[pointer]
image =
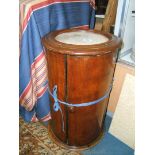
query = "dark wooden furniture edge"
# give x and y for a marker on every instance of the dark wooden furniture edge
(73, 148)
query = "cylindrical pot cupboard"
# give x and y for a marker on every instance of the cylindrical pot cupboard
(81, 63)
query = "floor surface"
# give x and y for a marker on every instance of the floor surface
(109, 145)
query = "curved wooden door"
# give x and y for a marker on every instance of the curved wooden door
(88, 79)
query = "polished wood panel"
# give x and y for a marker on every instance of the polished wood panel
(88, 79)
(57, 75)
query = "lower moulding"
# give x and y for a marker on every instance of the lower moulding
(74, 148)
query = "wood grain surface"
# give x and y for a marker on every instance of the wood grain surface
(82, 74)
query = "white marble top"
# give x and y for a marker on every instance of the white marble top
(81, 37)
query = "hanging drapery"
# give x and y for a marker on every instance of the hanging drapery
(37, 18)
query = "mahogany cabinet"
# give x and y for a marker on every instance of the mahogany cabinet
(82, 73)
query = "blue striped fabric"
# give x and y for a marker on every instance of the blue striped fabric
(34, 97)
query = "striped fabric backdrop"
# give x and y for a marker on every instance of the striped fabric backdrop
(37, 18)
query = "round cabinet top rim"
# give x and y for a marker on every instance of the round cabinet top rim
(81, 42)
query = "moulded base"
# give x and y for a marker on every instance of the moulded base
(74, 148)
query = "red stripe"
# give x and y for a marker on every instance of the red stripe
(41, 84)
(34, 118)
(44, 73)
(26, 19)
(41, 56)
(38, 69)
(84, 27)
(26, 90)
(29, 107)
(37, 59)
(46, 118)
(42, 92)
(41, 76)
